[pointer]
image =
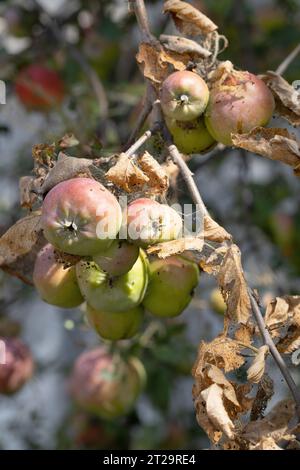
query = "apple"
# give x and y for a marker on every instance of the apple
(56, 284)
(113, 294)
(18, 367)
(237, 104)
(81, 217)
(184, 96)
(171, 284)
(106, 385)
(217, 302)
(118, 259)
(115, 325)
(39, 87)
(149, 222)
(190, 136)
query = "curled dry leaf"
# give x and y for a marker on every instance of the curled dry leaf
(203, 419)
(287, 98)
(221, 72)
(126, 174)
(65, 168)
(44, 154)
(265, 391)
(265, 443)
(257, 368)
(211, 264)
(233, 285)
(296, 357)
(274, 424)
(215, 409)
(184, 46)
(28, 187)
(188, 19)
(68, 140)
(283, 321)
(244, 333)
(214, 232)
(157, 63)
(274, 143)
(222, 352)
(217, 377)
(158, 180)
(19, 246)
(163, 250)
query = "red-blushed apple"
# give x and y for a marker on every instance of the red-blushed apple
(171, 284)
(149, 222)
(113, 294)
(106, 385)
(237, 104)
(190, 136)
(184, 96)
(39, 87)
(217, 301)
(18, 365)
(56, 284)
(81, 217)
(118, 259)
(115, 325)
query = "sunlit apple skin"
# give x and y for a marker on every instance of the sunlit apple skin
(118, 259)
(113, 294)
(18, 367)
(39, 87)
(184, 96)
(115, 326)
(190, 136)
(171, 284)
(217, 302)
(106, 385)
(56, 284)
(81, 217)
(149, 222)
(237, 104)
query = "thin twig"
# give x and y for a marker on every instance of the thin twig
(288, 60)
(147, 107)
(274, 351)
(146, 136)
(138, 6)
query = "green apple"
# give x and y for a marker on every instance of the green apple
(190, 136)
(118, 259)
(217, 302)
(113, 294)
(171, 284)
(115, 325)
(56, 284)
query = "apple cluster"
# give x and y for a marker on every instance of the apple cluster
(198, 117)
(112, 274)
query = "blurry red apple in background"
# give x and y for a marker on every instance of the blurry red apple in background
(106, 385)
(18, 366)
(39, 87)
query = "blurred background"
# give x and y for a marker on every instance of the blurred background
(257, 200)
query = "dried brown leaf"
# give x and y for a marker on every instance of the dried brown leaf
(287, 98)
(28, 186)
(19, 246)
(265, 443)
(222, 352)
(283, 321)
(65, 168)
(244, 333)
(215, 409)
(274, 143)
(188, 19)
(264, 393)
(217, 377)
(44, 154)
(157, 63)
(183, 45)
(158, 179)
(163, 250)
(234, 287)
(202, 418)
(257, 368)
(126, 174)
(274, 424)
(277, 314)
(214, 232)
(211, 264)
